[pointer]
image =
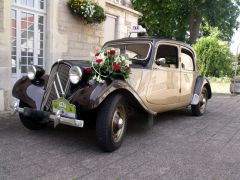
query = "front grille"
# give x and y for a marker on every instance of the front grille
(58, 85)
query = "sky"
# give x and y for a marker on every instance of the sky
(236, 41)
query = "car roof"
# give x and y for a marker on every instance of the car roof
(152, 39)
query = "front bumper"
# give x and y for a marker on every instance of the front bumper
(45, 117)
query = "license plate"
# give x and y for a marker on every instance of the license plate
(67, 109)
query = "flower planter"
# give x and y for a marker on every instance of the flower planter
(235, 86)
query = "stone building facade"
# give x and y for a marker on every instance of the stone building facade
(40, 32)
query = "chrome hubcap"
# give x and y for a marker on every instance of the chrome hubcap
(118, 123)
(203, 102)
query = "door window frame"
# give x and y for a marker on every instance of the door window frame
(167, 44)
(192, 57)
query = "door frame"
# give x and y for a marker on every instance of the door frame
(155, 67)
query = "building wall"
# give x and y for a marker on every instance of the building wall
(5, 53)
(126, 17)
(67, 36)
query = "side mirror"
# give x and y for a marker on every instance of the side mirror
(161, 61)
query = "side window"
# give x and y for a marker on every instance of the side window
(187, 60)
(167, 56)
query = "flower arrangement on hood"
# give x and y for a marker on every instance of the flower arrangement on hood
(88, 10)
(109, 63)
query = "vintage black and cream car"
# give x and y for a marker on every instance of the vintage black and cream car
(162, 76)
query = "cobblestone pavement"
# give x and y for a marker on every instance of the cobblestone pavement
(179, 146)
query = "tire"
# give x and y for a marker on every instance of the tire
(111, 123)
(30, 123)
(200, 108)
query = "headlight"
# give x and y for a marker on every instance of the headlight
(31, 72)
(75, 74)
(35, 72)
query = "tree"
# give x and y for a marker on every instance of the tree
(182, 19)
(214, 56)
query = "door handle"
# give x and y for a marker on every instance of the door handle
(183, 66)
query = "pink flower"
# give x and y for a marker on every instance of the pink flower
(99, 61)
(116, 67)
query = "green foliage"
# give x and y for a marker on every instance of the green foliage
(161, 19)
(88, 10)
(214, 57)
(181, 19)
(220, 80)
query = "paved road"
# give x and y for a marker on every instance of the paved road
(178, 147)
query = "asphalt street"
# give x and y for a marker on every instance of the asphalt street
(179, 146)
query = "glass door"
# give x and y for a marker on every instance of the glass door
(28, 39)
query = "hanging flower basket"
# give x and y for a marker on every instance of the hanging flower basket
(88, 10)
(109, 64)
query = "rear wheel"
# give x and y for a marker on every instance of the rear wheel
(111, 123)
(30, 123)
(200, 108)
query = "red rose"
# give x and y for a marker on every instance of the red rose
(88, 70)
(116, 67)
(112, 52)
(97, 54)
(99, 61)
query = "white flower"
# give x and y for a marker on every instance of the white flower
(123, 58)
(118, 59)
(127, 63)
(99, 79)
(94, 77)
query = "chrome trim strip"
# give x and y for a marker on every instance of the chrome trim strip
(133, 42)
(60, 84)
(55, 87)
(67, 86)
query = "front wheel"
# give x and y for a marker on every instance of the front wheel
(111, 123)
(30, 123)
(200, 108)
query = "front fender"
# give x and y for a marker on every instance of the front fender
(200, 83)
(30, 92)
(91, 97)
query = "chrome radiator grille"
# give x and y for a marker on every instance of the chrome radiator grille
(58, 85)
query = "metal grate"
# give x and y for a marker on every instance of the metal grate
(58, 85)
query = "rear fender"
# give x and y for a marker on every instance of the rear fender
(200, 83)
(30, 92)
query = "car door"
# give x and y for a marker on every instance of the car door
(188, 75)
(164, 86)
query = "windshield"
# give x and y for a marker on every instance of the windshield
(135, 51)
